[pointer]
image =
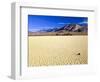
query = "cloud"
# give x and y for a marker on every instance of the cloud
(84, 22)
(34, 30)
(61, 23)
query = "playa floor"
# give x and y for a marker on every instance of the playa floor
(57, 50)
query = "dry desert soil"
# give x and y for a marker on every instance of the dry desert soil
(57, 50)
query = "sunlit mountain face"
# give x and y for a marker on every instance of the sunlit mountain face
(68, 27)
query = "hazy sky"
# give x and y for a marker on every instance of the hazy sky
(39, 22)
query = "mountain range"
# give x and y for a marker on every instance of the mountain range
(68, 28)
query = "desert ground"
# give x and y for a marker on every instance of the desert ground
(57, 50)
(57, 33)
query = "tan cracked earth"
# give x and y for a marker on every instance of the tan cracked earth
(57, 50)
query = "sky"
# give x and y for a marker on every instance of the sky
(40, 22)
